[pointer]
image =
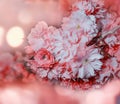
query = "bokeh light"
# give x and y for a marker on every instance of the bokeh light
(15, 36)
(1, 34)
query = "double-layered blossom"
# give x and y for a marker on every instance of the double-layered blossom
(87, 62)
(80, 22)
(44, 58)
(84, 46)
(40, 36)
(111, 40)
(63, 47)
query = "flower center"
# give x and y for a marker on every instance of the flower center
(78, 27)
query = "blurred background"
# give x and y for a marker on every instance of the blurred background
(17, 17)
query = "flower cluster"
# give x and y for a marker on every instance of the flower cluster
(86, 45)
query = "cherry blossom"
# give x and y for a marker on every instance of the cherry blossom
(63, 48)
(111, 40)
(88, 62)
(42, 73)
(79, 21)
(44, 58)
(83, 51)
(40, 36)
(84, 48)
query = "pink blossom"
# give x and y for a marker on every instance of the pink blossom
(115, 51)
(44, 58)
(111, 40)
(60, 71)
(85, 6)
(85, 24)
(42, 73)
(63, 47)
(65, 53)
(87, 62)
(40, 36)
(112, 64)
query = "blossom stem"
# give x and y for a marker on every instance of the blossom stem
(104, 34)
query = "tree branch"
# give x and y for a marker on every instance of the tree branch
(104, 34)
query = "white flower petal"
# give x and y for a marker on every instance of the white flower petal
(57, 49)
(96, 64)
(114, 63)
(89, 69)
(53, 74)
(84, 39)
(94, 51)
(95, 56)
(42, 73)
(37, 44)
(66, 75)
(81, 73)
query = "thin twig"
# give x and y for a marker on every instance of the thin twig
(104, 34)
